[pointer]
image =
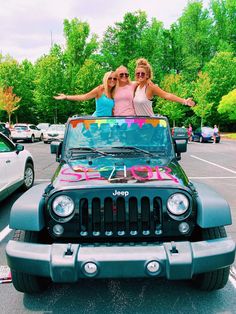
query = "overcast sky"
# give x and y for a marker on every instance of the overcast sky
(27, 27)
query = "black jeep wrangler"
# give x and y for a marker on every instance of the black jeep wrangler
(119, 205)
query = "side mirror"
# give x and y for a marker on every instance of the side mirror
(180, 138)
(55, 148)
(19, 148)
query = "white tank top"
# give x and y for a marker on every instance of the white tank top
(142, 105)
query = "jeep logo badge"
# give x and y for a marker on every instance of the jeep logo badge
(120, 193)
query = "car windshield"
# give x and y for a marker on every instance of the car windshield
(20, 127)
(59, 127)
(207, 130)
(43, 126)
(119, 136)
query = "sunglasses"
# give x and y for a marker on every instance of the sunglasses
(124, 74)
(141, 74)
(112, 78)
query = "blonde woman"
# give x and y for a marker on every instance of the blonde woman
(146, 90)
(124, 93)
(103, 94)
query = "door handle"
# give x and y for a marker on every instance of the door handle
(8, 161)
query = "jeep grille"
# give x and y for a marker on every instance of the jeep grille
(119, 217)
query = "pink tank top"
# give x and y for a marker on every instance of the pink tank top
(124, 101)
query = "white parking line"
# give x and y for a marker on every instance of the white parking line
(232, 276)
(42, 180)
(212, 163)
(5, 232)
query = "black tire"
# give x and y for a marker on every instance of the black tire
(28, 177)
(217, 279)
(41, 137)
(32, 140)
(24, 282)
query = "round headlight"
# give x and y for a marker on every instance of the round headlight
(63, 206)
(177, 204)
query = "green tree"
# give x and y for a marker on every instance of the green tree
(224, 14)
(152, 47)
(228, 105)
(202, 88)
(25, 90)
(222, 73)
(194, 38)
(172, 83)
(49, 79)
(79, 47)
(122, 42)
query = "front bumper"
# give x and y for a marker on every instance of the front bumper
(120, 261)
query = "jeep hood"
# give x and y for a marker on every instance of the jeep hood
(105, 171)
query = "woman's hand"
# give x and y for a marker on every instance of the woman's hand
(60, 97)
(189, 102)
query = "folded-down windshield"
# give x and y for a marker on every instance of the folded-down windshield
(109, 134)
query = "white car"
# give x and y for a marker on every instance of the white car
(27, 132)
(16, 167)
(55, 132)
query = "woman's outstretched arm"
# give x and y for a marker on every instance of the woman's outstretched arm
(156, 90)
(90, 95)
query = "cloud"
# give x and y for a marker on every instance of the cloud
(29, 26)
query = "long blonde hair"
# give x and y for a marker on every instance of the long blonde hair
(109, 93)
(144, 64)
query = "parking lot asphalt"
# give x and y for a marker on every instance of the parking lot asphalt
(214, 165)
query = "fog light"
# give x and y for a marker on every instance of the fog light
(90, 268)
(153, 267)
(184, 227)
(58, 230)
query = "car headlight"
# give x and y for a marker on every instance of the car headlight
(63, 206)
(177, 204)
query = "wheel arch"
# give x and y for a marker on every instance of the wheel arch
(212, 209)
(29, 160)
(27, 211)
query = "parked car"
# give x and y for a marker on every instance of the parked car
(26, 132)
(119, 205)
(55, 132)
(204, 134)
(16, 167)
(181, 132)
(4, 130)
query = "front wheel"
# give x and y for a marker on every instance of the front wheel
(32, 139)
(24, 282)
(28, 177)
(216, 279)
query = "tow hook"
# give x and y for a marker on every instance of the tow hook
(69, 250)
(173, 248)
